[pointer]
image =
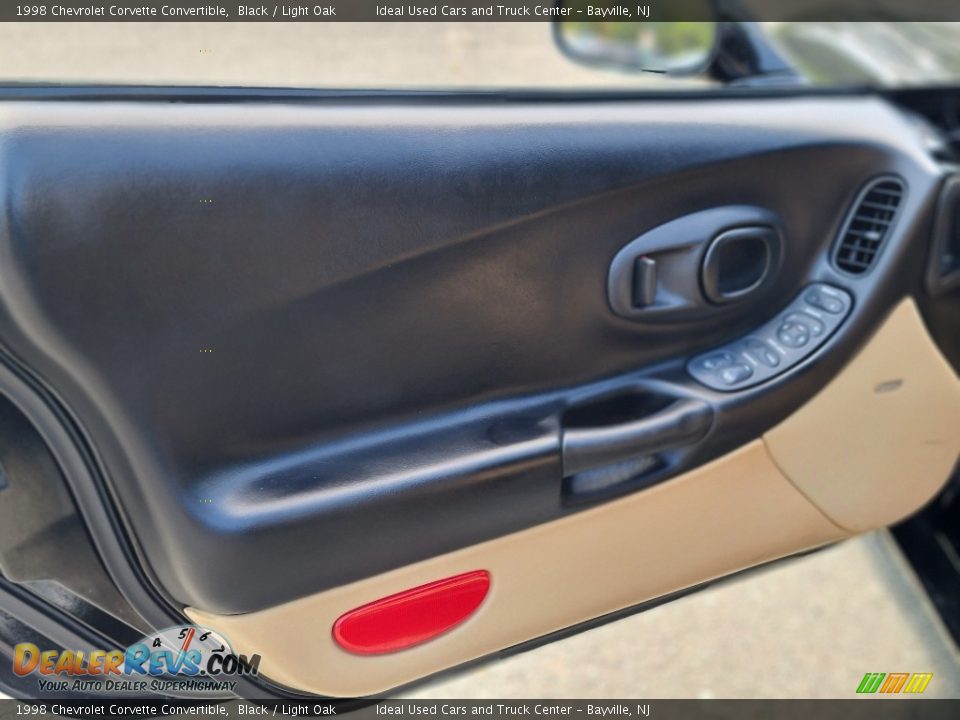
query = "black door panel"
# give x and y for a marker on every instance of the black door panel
(310, 344)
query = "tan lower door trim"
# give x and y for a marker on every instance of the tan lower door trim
(733, 513)
(878, 441)
(874, 445)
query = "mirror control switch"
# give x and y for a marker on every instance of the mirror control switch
(793, 334)
(811, 323)
(779, 345)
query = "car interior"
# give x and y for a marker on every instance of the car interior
(379, 385)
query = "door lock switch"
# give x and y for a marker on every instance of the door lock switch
(762, 353)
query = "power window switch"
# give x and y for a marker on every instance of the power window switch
(736, 373)
(716, 361)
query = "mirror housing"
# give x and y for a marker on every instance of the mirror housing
(714, 38)
(669, 46)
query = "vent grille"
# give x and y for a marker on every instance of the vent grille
(868, 226)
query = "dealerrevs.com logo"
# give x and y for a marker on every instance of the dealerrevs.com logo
(185, 660)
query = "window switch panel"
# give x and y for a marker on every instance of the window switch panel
(779, 345)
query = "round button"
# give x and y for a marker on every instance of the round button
(814, 326)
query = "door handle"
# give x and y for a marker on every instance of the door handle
(683, 422)
(683, 269)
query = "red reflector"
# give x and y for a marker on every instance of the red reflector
(412, 616)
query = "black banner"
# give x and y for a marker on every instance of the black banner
(479, 11)
(876, 709)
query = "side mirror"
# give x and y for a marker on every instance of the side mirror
(669, 47)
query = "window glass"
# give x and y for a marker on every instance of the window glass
(470, 55)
